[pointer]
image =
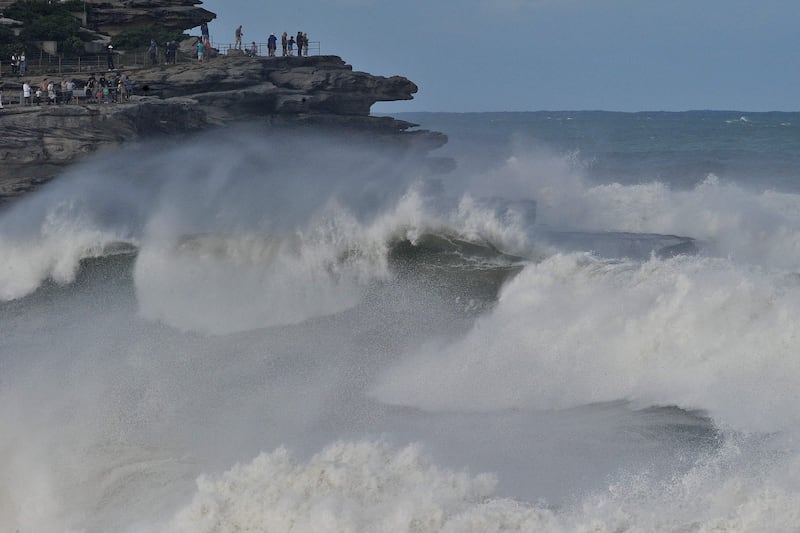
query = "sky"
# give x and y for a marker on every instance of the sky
(531, 55)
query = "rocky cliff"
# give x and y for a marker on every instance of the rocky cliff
(37, 142)
(114, 16)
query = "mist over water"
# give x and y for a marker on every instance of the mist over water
(266, 331)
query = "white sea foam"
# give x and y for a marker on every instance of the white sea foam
(699, 333)
(758, 227)
(221, 283)
(369, 486)
(361, 486)
(51, 250)
(233, 245)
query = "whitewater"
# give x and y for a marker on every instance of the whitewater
(590, 324)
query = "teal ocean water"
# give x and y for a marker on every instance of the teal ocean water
(589, 324)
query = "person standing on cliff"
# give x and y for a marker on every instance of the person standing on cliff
(291, 46)
(284, 43)
(70, 90)
(201, 50)
(51, 93)
(238, 35)
(153, 52)
(204, 31)
(110, 57)
(23, 64)
(272, 45)
(173, 51)
(89, 87)
(299, 42)
(26, 93)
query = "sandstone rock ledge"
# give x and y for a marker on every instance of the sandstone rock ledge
(323, 92)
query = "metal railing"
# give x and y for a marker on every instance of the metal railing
(314, 48)
(91, 63)
(47, 64)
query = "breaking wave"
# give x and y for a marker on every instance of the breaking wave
(290, 300)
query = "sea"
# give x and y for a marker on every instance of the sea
(563, 322)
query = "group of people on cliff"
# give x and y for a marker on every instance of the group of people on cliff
(103, 90)
(289, 44)
(48, 91)
(19, 64)
(108, 90)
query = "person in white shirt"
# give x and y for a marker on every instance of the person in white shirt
(26, 93)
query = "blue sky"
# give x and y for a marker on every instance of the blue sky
(529, 55)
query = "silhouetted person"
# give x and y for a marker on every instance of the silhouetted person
(110, 57)
(153, 52)
(238, 35)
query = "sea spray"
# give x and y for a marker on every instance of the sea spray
(695, 332)
(158, 367)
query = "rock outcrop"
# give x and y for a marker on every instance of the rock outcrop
(37, 142)
(113, 16)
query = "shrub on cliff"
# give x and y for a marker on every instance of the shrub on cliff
(48, 22)
(27, 10)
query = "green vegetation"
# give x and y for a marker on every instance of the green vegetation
(47, 22)
(140, 38)
(58, 22)
(28, 10)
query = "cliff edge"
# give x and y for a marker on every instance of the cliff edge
(323, 92)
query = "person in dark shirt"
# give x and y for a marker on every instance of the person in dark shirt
(238, 35)
(153, 52)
